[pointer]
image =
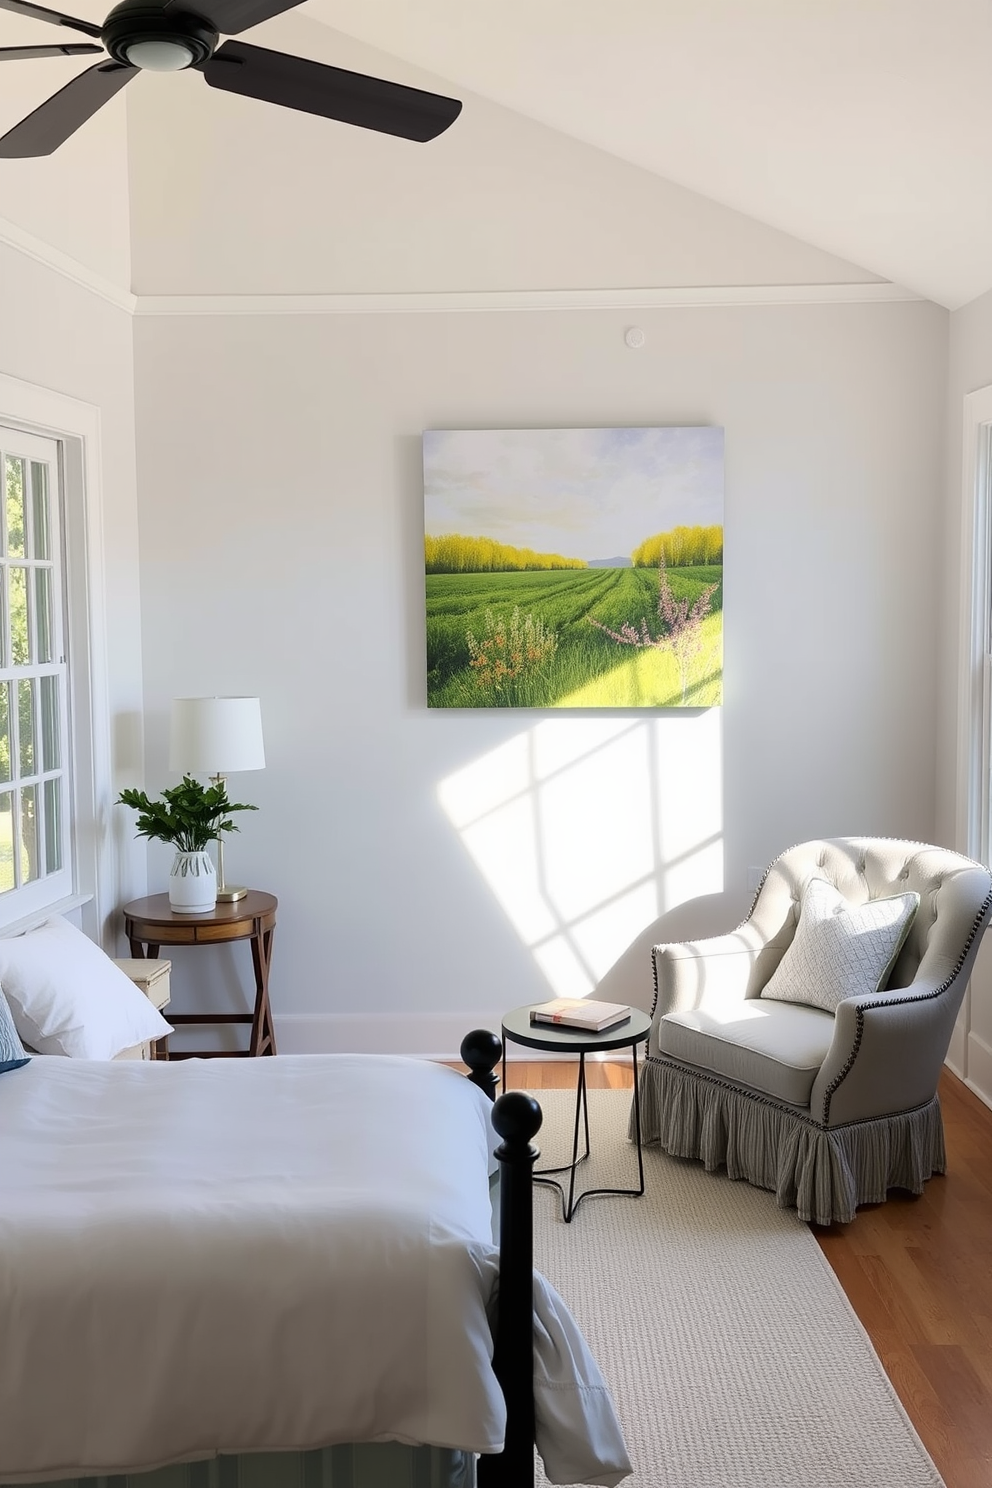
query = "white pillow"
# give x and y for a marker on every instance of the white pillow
(840, 949)
(67, 997)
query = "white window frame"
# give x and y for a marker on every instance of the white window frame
(53, 884)
(75, 426)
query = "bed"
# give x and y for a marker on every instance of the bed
(248, 1271)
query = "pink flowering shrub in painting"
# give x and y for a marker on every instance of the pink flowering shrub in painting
(682, 620)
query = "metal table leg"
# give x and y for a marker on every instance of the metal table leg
(570, 1203)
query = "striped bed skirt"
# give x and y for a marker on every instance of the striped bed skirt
(366, 1465)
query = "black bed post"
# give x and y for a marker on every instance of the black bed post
(481, 1051)
(517, 1117)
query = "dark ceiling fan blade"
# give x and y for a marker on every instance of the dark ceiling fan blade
(314, 88)
(231, 17)
(61, 115)
(15, 54)
(39, 13)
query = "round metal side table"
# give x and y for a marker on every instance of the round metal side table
(552, 1038)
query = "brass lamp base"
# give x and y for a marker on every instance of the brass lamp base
(227, 894)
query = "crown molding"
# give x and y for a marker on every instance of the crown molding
(439, 302)
(473, 301)
(63, 263)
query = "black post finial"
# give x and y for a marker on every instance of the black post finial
(516, 1118)
(481, 1051)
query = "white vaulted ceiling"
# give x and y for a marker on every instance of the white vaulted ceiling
(863, 127)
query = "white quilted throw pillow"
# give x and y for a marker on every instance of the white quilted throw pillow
(840, 949)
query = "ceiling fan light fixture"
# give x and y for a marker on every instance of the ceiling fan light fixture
(163, 36)
(159, 55)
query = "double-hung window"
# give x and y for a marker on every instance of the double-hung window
(36, 851)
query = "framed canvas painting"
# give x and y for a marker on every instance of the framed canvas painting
(574, 568)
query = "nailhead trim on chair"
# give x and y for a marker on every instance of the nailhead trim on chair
(859, 1034)
(896, 1001)
(723, 1083)
(796, 1112)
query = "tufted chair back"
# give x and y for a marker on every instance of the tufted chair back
(952, 890)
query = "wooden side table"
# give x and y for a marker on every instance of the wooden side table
(151, 923)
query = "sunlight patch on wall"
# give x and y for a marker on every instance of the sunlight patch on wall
(587, 830)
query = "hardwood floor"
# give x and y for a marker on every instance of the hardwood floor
(917, 1271)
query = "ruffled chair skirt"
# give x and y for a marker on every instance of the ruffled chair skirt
(822, 1172)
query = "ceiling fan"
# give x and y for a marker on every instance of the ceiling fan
(169, 35)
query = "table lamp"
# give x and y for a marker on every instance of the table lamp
(217, 736)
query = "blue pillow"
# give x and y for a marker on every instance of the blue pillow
(12, 1053)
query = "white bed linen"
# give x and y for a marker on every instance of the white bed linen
(235, 1255)
(227, 1256)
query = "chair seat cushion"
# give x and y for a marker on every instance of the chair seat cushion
(775, 1047)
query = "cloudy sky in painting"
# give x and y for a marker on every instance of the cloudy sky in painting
(581, 493)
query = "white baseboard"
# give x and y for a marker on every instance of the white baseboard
(425, 1035)
(982, 1094)
(957, 1053)
(979, 1076)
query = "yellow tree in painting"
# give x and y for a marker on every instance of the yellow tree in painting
(454, 554)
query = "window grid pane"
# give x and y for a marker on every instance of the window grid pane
(5, 742)
(15, 506)
(29, 834)
(53, 826)
(41, 545)
(20, 642)
(25, 727)
(43, 614)
(50, 736)
(8, 877)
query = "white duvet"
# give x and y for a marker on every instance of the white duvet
(235, 1255)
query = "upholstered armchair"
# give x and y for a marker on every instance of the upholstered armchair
(802, 1051)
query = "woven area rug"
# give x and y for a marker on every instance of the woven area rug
(734, 1358)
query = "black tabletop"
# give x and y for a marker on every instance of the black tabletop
(520, 1030)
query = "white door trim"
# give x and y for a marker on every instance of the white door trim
(969, 1056)
(974, 618)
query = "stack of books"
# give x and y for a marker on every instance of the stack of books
(580, 1012)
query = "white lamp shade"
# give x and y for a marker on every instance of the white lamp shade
(216, 735)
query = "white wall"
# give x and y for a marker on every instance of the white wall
(434, 869)
(969, 368)
(232, 196)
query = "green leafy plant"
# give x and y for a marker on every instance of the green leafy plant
(189, 815)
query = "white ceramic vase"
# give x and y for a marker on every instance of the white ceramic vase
(193, 883)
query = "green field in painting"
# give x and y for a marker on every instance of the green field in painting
(586, 668)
